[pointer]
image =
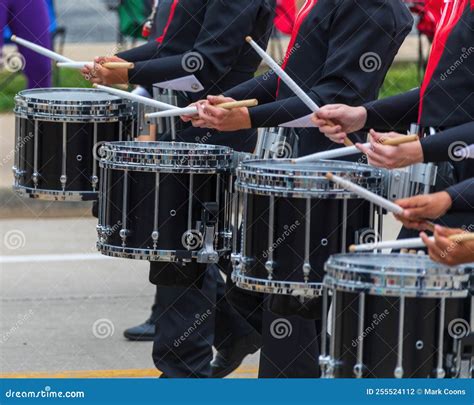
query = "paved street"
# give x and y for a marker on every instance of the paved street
(63, 307)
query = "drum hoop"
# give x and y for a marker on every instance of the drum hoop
(55, 195)
(415, 291)
(154, 255)
(28, 106)
(276, 286)
(141, 156)
(259, 181)
(344, 276)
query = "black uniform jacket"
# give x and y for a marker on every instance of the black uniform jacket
(205, 38)
(340, 52)
(446, 98)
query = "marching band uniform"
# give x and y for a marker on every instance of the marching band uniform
(444, 102)
(329, 58)
(200, 49)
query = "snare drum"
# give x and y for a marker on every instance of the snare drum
(165, 201)
(293, 219)
(57, 134)
(394, 315)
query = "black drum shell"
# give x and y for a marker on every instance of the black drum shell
(380, 342)
(326, 236)
(172, 207)
(81, 152)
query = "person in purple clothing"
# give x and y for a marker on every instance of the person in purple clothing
(29, 19)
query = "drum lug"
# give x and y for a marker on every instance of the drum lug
(155, 235)
(63, 180)
(235, 259)
(207, 254)
(123, 235)
(327, 366)
(35, 178)
(269, 266)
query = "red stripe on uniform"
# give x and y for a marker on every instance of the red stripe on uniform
(305, 10)
(168, 23)
(452, 13)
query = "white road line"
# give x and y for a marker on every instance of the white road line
(67, 257)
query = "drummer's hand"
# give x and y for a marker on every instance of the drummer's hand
(446, 251)
(417, 208)
(100, 75)
(391, 157)
(188, 118)
(221, 119)
(346, 120)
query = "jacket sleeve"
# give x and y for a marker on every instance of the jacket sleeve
(263, 88)
(353, 35)
(462, 195)
(442, 146)
(140, 53)
(394, 113)
(216, 49)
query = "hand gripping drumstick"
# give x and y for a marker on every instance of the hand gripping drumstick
(135, 97)
(288, 81)
(193, 110)
(341, 152)
(372, 197)
(39, 49)
(412, 243)
(108, 65)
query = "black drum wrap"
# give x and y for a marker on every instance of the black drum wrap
(58, 133)
(159, 203)
(394, 315)
(294, 219)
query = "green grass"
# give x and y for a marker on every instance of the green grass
(401, 78)
(11, 84)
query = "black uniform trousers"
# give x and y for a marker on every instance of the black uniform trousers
(183, 348)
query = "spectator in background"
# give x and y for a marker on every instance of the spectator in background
(29, 19)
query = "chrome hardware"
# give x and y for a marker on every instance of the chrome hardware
(207, 254)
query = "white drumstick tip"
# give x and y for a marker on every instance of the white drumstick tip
(248, 39)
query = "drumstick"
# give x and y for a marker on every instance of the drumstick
(135, 97)
(341, 152)
(372, 197)
(411, 243)
(108, 65)
(307, 100)
(193, 110)
(40, 49)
